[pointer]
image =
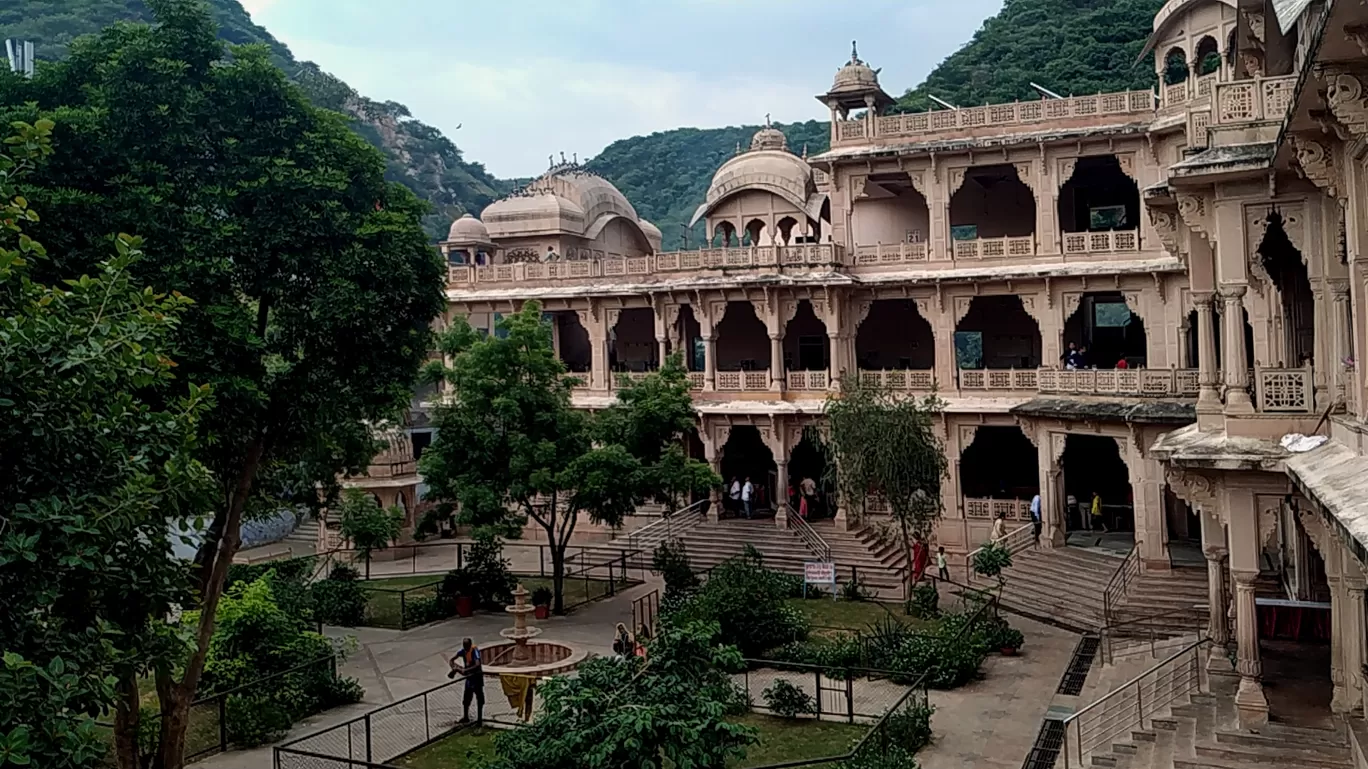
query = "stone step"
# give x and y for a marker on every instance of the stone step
(1276, 734)
(1272, 755)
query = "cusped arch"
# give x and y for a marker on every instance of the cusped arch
(1171, 16)
(602, 222)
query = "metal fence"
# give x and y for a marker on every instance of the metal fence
(858, 695)
(401, 608)
(524, 558)
(397, 729)
(211, 718)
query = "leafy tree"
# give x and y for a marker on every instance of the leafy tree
(92, 470)
(313, 282)
(651, 418)
(369, 527)
(885, 445)
(509, 442)
(670, 711)
(749, 603)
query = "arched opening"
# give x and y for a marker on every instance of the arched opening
(786, 227)
(890, 210)
(1284, 265)
(895, 337)
(631, 341)
(997, 333)
(1104, 333)
(742, 341)
(1231, 48)
(992, 202)
(805, 341)
(724, 235)
(1001, 463)
(688, 340)
(1193, 342)
(745, 456)
(1099, 197)
(811, 492)
(571, 341)
(1175, 67)
(1208, 56)
(755, 234)
(1092, 464)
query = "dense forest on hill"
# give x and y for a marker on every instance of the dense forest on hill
(418, 155)
(1069, 46)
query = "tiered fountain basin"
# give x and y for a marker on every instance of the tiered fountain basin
(524, 656)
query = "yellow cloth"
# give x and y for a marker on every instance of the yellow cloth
(1097, 506)
(518, 690)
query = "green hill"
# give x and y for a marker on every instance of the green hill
(418, 155)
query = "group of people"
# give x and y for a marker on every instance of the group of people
(1076, 357)
(740, 495)
(627, 645)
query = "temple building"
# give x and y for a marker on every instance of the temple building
(1153, 298)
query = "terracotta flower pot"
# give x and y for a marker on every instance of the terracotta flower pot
(465, 606)
(1008, 651)
(542, 611)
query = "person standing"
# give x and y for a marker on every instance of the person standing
(1096, 516)
(1035, 517)
(467, 662)
(623, 644)
(735, 494)
(942, 566)
(747, 491)
(999, 527)
(808, 488)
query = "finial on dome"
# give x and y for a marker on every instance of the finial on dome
(574, 158)
(738, 147)
(562, 156)
(804, 150)
(854, 53)
(767, 120)
(551, 160)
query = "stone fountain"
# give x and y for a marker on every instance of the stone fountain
(521, 654)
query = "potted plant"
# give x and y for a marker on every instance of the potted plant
(456, 586)
(541, 601)
(1009, 640)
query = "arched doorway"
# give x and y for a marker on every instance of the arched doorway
(1103, 332)
(806, 347)
(1099, 197)
(895, 337)
(631, 342)
(1000, 463)
(742, 343)
(571, 341)
(1175, 67)
(992, 202)
(997, 333)
(745, 455)
(1092, 464)
(1285, 268)
(724, 235)
(688, 338)
(807, 461)
(1208, 56)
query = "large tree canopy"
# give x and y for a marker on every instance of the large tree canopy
(313, 283)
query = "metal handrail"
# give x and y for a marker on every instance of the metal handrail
(1140, 698)
(814, 541)
(648, 534)
(1015, 541)
(1119, 584)
(1107, 635)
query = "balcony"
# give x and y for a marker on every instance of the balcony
(1115, 241)
(995, 248)
(391, 469)
(893, 253)
(1139, 383)
(901, 380)
(806, 256)
(1284, 390)
(996, 119)
(810, 381)
(989, 509)
(1241, 101)
(998, 379)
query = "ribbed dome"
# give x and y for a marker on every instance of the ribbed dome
(769, 138)
(855, 75)
(468, 228)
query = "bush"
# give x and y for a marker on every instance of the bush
(991, 560)
(542, 596)
(855, 590)
(924, 602)
(485, 577)
(425, 609)
(1000, 635)
(910, 728)
(787, 700)
(748, 601)
(339, 599)
(672, 564)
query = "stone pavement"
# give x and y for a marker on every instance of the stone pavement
(993, 722)
(392, 664)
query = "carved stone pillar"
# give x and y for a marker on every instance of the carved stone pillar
(777, 362)
(709, 362)
(781, 482)
(1049, 449)
(1354, 629)
(1208, 368)
(1218, 609)
(1250, 702)
(1339, 697)
(1236, 362)
(1341, 382)
(713, 453)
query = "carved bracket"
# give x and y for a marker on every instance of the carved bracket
(1197, 489)
(1345, 95)
(1317, 164)
(1165, 225)
(1193, 209)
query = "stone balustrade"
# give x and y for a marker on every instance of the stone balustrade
(975, 120)
(1133, 382)
(1264, 98)
(1190, 91)
(743, 381)
(391, 469)
(1284, 390)
(988, 509)
(1114, 241)
(998, 379)
(995, 248)
(901, 380)
(810, 255)
(816, 381)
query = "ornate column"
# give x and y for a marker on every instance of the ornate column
(1249, 699)
(709, 362)
(1354, 628)
(597, 327)
(1208, 368)
(776, 314)
(1340, 381)
(1236, 362)
(1339, 697)
(1049, 450)
(712, 451)
(781, 482)
(1218, 612)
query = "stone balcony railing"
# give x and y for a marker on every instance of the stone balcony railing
(1135, 383)
(1113, 241)
(391, 469)
(1264, 98)
(1189, 91)
(995, 248)
(775, 257)
(743, 381)
(995, 118)
(1284, 390)
(988, 509)
(812, 381)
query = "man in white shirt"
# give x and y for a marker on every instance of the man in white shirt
(746, 492)
(735, 495)
(1035, 517)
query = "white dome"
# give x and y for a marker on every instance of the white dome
(469, 229)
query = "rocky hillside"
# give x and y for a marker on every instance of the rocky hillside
(418, 155)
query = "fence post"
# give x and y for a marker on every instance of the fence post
(817, 677)
(403, 610)
(541, 559)
(368, 738)
(460, 553)
(223, 723)
(850, 699)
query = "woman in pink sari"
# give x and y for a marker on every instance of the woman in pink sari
(920, 557)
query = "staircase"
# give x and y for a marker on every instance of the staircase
(709, 544)
(1063, 586)
(880, 566)
(304, 539)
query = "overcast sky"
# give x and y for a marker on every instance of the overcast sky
(525, 78)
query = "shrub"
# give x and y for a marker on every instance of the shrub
(542, 596)
(748, 601)
(425, 609)
(672, 564)
(910, 727)
(487, 577)
(339, 599)
(854, 590)
(924, 602)
(991, 560)
(787, 700)
(1000, 635)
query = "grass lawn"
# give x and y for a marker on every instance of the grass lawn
(383, 607)
(824, 613)
(471, 746)
(781, 740)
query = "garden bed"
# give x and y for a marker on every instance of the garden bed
(405, 602)
(824, 614)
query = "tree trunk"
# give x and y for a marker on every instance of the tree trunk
(175, 705)
(907, 550)
(126, 716)
(558, 576)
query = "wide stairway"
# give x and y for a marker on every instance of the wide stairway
(1199, 730)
